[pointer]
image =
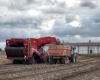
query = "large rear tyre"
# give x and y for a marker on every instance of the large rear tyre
(16, 61)
(31, 61)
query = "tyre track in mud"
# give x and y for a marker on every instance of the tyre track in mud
(80, 71)
(6, 66)
(22, 68)
(19, 68)
(35, 72)
(60, 73)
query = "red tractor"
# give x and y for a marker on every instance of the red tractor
(29, 50)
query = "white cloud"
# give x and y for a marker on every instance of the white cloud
(77, 36)
(72, 3)
(47, 25)
(75, 24)
(33, 12)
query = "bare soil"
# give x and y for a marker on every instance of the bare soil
(4, 60)
(85, 69)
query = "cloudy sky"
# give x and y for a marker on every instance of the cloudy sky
(69, 20)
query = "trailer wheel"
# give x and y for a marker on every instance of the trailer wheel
(66, 60)
(62, 60)
(50, 60)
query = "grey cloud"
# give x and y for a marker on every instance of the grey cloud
(88, 4)
(55, 11)
(89, 31)
(27, 4)
(18, 4)
(58, 8)
(17, 33)
(88, 28)
(63, 29)
(70, 17)
(22, 22)
(96, 18)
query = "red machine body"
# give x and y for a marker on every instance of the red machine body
(27, 48)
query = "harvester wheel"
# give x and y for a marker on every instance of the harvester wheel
(31, 61)
(15, 62)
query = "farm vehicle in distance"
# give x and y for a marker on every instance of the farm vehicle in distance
(30, 50)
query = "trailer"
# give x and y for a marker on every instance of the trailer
(61, 54)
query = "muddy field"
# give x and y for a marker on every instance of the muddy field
(86, 69)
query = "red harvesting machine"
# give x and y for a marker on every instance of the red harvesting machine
(30, 50)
